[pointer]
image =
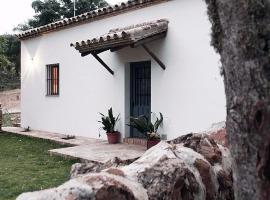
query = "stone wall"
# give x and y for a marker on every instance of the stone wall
(10, 101)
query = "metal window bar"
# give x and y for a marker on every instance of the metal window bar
(52, 80)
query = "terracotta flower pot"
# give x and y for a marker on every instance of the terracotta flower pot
(151, 143)
(113, 138)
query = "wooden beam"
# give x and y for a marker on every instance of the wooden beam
(154, 56)
(150, 39)
(92, 52)
(117, 48)
(85, 54)
(103, 63)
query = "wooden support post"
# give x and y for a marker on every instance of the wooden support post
(103, 63)
(154, 56)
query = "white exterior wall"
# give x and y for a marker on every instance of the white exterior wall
(189, 93)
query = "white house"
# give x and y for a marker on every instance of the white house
(137, 57)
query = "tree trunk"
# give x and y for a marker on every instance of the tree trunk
(241, 35)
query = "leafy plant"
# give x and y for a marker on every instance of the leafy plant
(144, 125)
(109, 121)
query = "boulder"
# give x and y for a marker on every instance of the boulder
(99, 186)
(78, 169)
(218, 133)
(220, 136)
(191, 167)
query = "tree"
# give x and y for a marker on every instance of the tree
(241, 35)
(3, 59)
(48, 11)
(12, 51)
(5, 63)
(9, 62)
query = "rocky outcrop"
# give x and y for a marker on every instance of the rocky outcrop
(214, 168)
(191, 167)
(99, 186)
(78, 169)
(220, 137)
(218, 133)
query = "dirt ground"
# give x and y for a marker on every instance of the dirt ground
(10, 101)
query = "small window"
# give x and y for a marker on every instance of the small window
(52, 80)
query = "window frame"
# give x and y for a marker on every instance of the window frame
(50, 80)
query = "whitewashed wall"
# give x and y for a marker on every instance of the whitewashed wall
(189, 93)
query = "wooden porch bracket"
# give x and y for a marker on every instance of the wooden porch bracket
(161, 64)
(150, 39)
(85, 54)
(103, 63)
(92, 52)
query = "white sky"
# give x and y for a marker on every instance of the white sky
(14, 12)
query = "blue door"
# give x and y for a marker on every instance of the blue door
(140, 92)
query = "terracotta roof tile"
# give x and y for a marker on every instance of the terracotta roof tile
(88, 17)
(126, 36)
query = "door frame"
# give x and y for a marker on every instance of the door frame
(131, 95)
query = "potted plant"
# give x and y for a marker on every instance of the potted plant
(109, 123)
(144, 125)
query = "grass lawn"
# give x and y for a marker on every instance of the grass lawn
(25, 165)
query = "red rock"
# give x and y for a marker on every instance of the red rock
(204, 170)
(220, 137)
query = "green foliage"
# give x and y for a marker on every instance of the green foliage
(4, 62)
(26, 165)
(12, 51)
(48, 11)
(109, 121)
(9, 62)
(144, 125)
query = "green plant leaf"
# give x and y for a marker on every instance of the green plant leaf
(144, 125)
(158, 122)
(109, 121)
(102, 114)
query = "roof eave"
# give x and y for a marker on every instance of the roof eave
(88, 17)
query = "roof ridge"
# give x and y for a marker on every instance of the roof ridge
(90, 16)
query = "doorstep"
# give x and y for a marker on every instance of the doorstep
(135, 141)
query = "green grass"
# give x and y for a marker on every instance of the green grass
(25, 165)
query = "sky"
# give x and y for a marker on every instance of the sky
(14, 12)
